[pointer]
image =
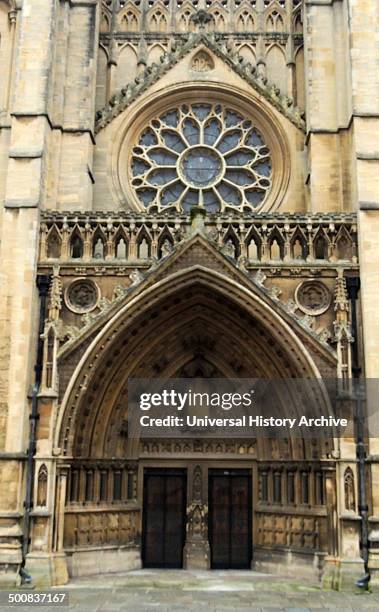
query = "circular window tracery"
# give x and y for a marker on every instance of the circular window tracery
(201, 154)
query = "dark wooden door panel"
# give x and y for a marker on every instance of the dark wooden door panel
(154, 525)
(230, 526)
(240, 519)
(164, 518)
(219, 536)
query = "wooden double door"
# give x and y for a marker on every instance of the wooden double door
(164, 518)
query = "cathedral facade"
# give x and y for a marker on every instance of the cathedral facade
(188, 188)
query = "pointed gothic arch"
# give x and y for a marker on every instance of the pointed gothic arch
(105, 22)
(53, 243)
(184, 21)
(129, 19)
(232, 239)
(321, 245)
(213, 321)
(156, 51)
(101, 78)
(343, 245)
(254, 245)
(246, 51)
(298, 20)
(144, 243)
(276, 245)
(121, 243)
(126, 65)
(110, 337)
(276, 66)
(42, 486)
(76, 248)
(157, 19)
(275, 21)
(300, 77)
(219, 21)
(165, 242)
(245, 21)
(298, 245)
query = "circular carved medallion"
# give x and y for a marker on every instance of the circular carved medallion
(313, 297)
(82, 295)
(201, 166)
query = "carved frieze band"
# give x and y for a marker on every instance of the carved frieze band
(125, 239)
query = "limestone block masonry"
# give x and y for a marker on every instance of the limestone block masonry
(197, 182)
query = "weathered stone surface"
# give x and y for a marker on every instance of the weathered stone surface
(80, 82)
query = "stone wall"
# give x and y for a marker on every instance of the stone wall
(56, 154)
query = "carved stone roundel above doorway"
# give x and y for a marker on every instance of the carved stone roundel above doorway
(82, 296)
(312, 297)
(199, 154)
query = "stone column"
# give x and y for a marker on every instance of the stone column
(364, 18)
(46, 562)
(24, 195)
(196, 549)
(75, 173)
(330, 570)
(327, 103)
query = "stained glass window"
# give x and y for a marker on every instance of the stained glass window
(205, 155)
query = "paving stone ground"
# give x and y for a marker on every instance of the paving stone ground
(218, 591)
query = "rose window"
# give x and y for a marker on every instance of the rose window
(201, 155)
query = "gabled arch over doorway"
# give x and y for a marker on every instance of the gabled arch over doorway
(183, 317)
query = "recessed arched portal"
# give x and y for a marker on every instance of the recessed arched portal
(195, 322)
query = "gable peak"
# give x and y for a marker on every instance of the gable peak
(220, 48)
